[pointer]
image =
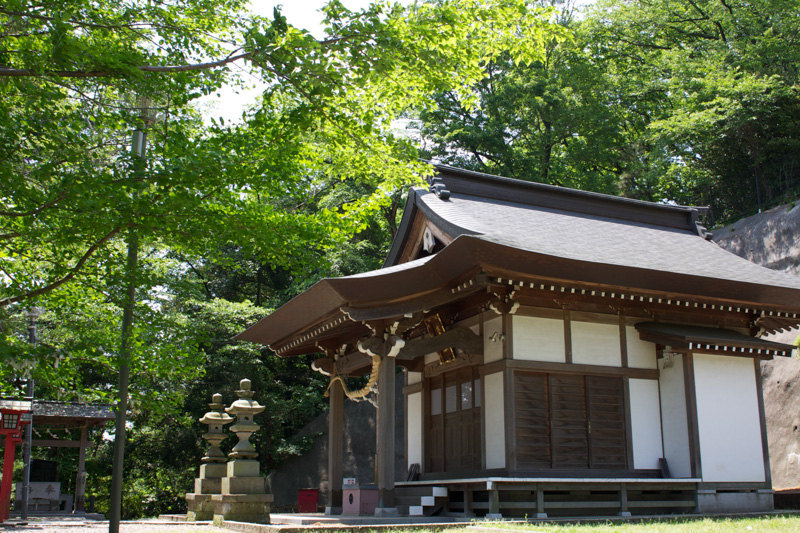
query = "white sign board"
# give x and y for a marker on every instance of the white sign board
(41, 490)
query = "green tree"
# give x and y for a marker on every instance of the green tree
(726, 74)
(553, 120)
(79, 77)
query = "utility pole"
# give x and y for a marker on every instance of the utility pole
(138, 147)
(33, 313)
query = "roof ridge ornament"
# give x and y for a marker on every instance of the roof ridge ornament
(699, 228)
(437, 187)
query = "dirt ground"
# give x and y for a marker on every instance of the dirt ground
(62, 525)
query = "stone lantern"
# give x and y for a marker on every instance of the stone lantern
(213, 468)
(215, 419)
(244, 495)
(244, 409)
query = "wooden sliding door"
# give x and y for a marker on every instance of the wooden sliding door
(569, 422)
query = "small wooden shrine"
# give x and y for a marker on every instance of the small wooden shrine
(565, 353)
(49, 416)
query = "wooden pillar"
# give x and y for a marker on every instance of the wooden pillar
(494, 502)
(763, 422)
(623, 500)
(80, 479)
(468, 499)
(691, 408)
(8, 471)
(540, 512)
(385, 438)
(335, 448)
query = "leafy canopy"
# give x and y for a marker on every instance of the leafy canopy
(80, 77)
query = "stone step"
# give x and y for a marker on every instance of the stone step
(440, 492)
(427, 501)
(416, 510)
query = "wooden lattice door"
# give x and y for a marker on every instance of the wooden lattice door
(453, 420)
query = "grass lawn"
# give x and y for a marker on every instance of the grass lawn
(776, 523)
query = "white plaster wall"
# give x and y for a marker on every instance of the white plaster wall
(413, 378)
(414, 429)
(538, 339)
(728, 420)
(641, 354)
(645, 423)
(494, 421)
(492, 350)
(596, 344)
(674, 423)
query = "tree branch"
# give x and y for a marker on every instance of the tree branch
(72, 272)
(6, 236)
(37, 210)
(202, 279)
(165, 69)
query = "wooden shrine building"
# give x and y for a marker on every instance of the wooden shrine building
(54, 416)
(565, 353)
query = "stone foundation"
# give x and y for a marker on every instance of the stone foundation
(241, 508)
(199, 507)
(713, 501)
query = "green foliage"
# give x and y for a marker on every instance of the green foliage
(726, 78)
(309, 178)
(80, 78)
(554, 120)
(693, 102)
(72, 188)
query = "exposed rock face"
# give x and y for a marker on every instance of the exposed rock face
(772, 239)
(780, 379)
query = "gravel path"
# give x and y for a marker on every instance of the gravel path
(96, 526)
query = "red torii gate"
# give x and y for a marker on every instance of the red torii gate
(15, 414)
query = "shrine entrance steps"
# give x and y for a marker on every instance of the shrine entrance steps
(421, 501)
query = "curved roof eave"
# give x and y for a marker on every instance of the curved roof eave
(409, 282)
(327, 297)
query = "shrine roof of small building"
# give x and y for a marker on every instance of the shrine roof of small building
(70, 413)
(526, 230)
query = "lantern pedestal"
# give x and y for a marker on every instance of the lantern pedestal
(199, 506)
(244, 495)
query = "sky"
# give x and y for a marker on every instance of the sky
(304, 14)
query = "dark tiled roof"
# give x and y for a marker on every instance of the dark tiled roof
(528, 229)
(581, 226)
(597, 239)
(43, 408)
